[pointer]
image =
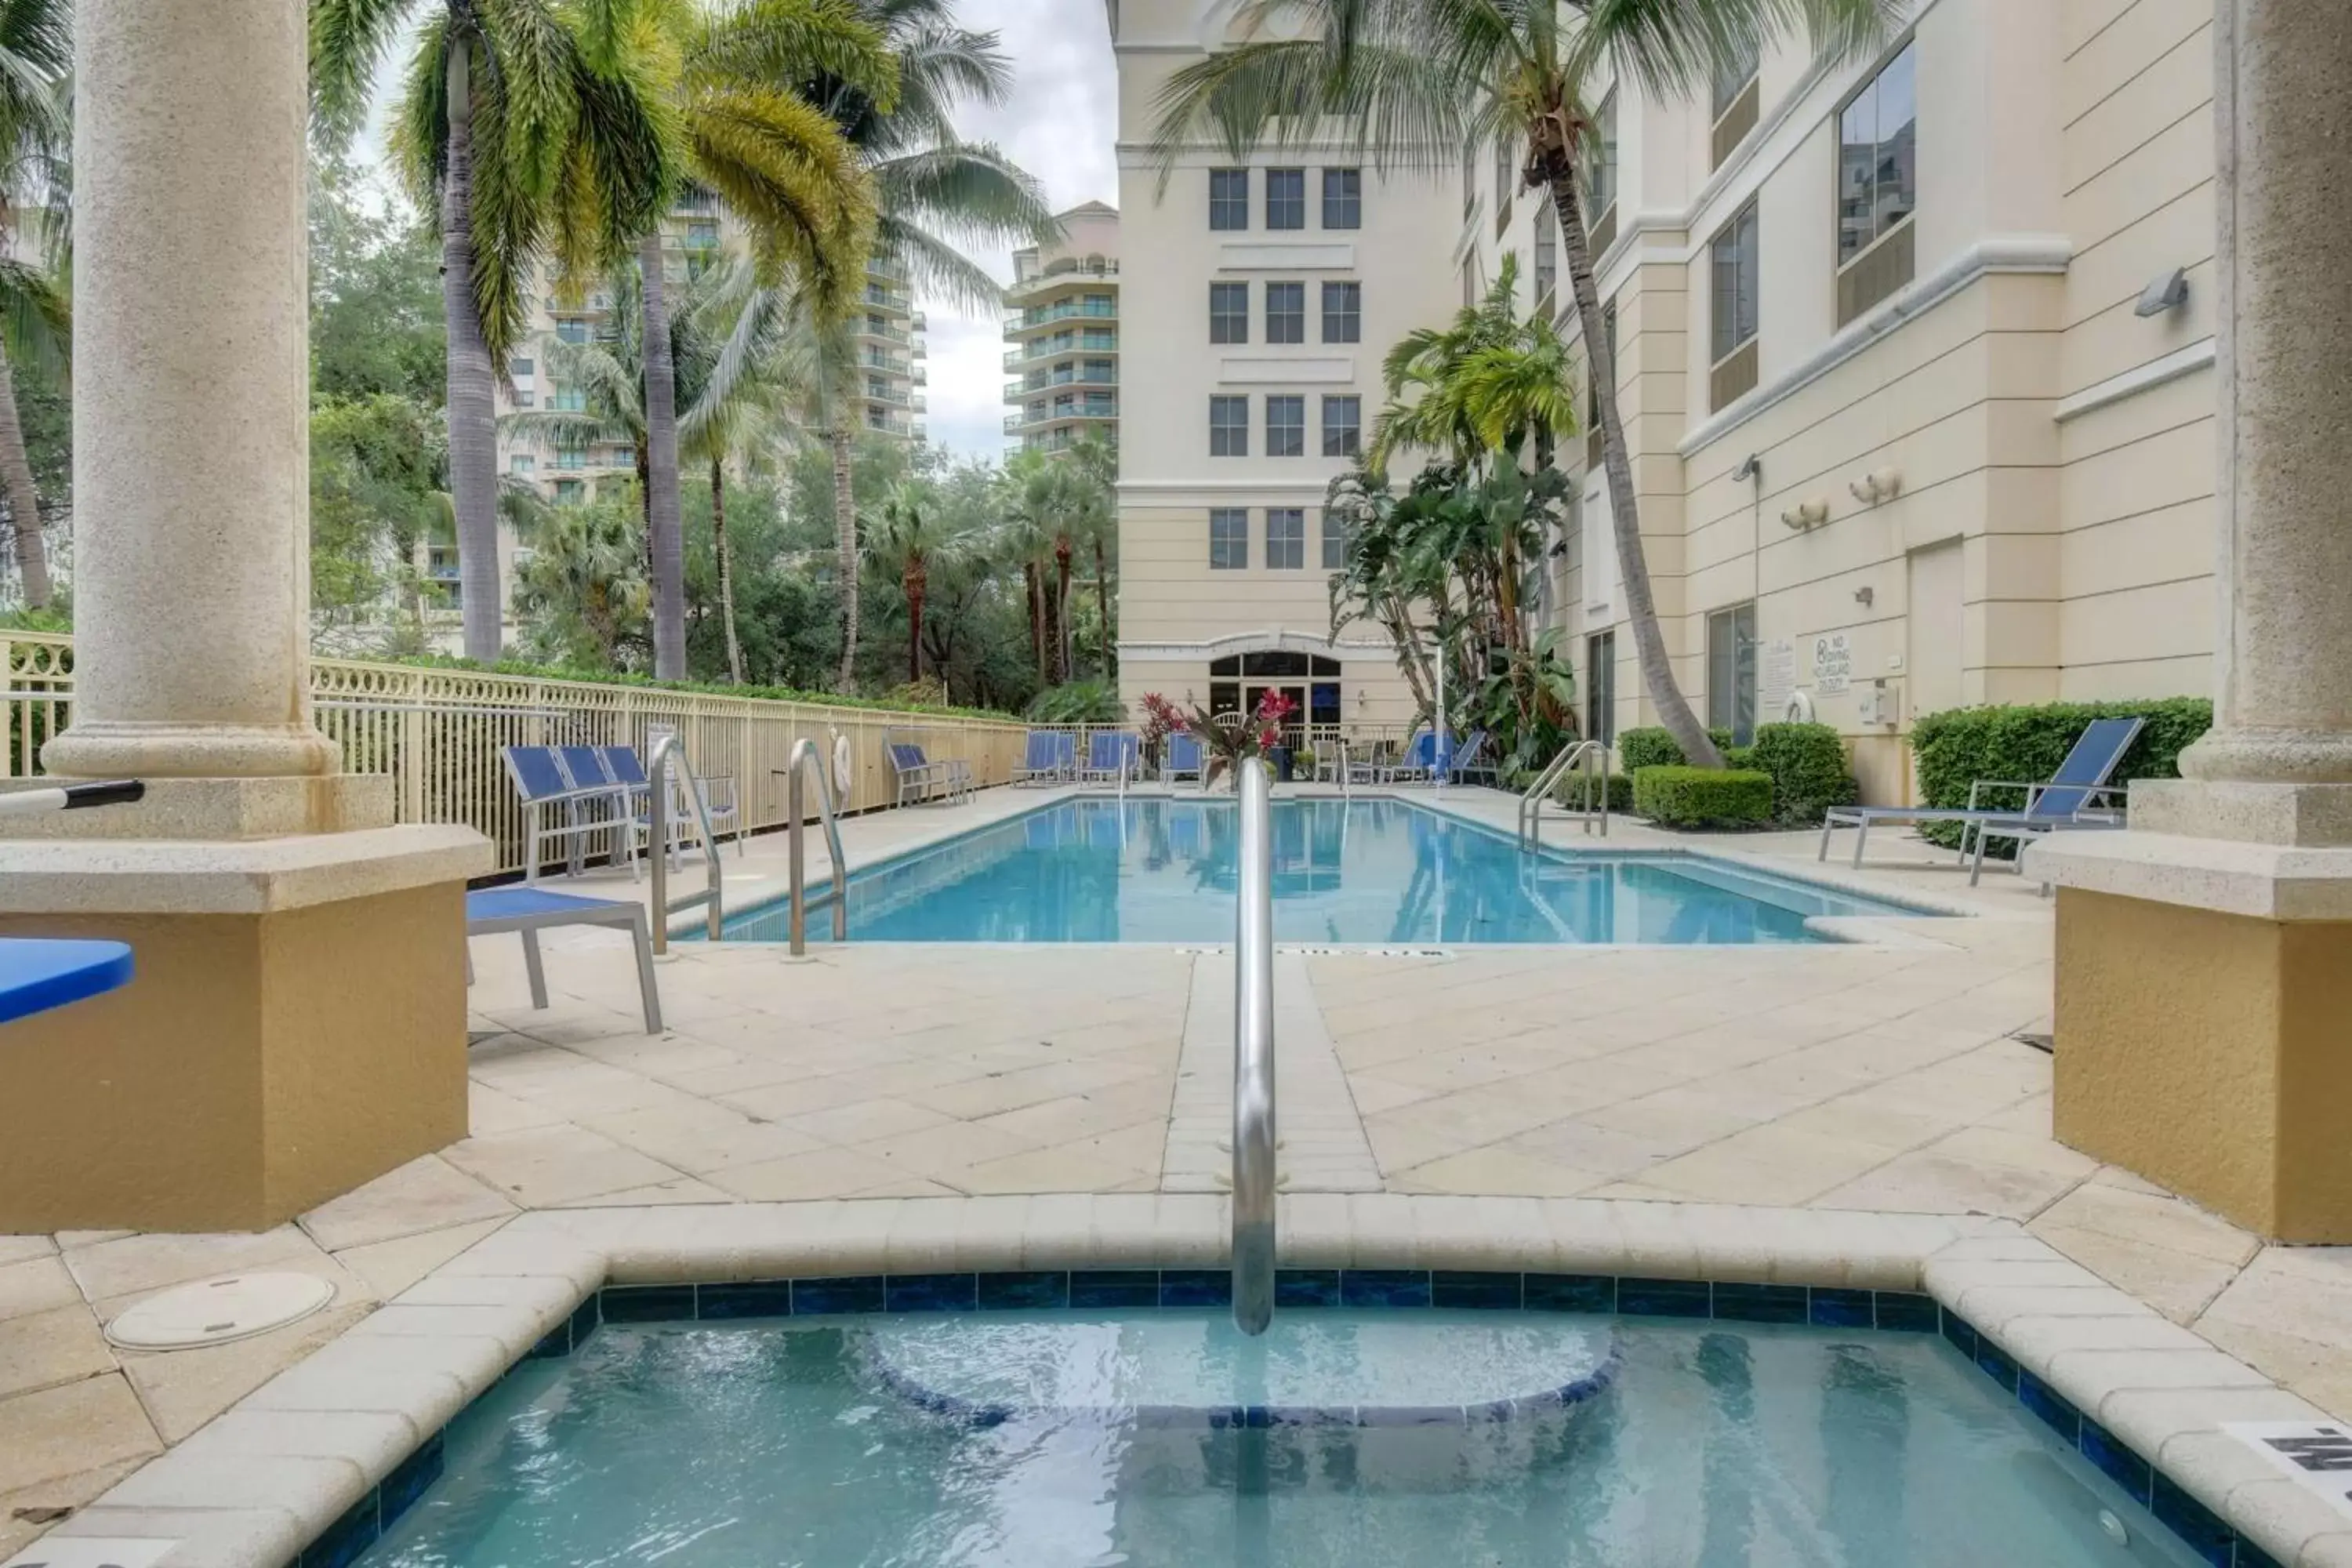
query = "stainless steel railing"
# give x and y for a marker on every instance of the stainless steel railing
(1253, 1124)
(804, 761)
(667, 750)
(1593, 757)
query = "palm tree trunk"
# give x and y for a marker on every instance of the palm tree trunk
(1624, 519)
(726, 569)
(845, 545)
(24, 496)
(914, 581)
(472, 409)
(664, 527)
(1102, 601)
(1062, 653)
(1035, 581)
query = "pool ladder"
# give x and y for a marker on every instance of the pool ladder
(1592, 756)
(668, 750)
(1254, 1126)
(805, 760)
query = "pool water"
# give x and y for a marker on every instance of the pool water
(1348, 872)
(792, 1444)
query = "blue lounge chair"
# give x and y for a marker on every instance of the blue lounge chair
(530, 911)
(545, 786)
(1419, 761)
(1471, 758)
(1050, 757)
(2076, 795)
(1110, 756)
(1186, 757)
(919, 778)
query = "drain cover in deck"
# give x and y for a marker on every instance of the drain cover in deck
(217, 1311)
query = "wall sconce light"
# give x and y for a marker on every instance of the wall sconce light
(1865, 596)
(1881, 485)
(2167, 291)
(1807, 514)
(1750, 468)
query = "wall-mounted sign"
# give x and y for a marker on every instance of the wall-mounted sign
(1832, 664)
(1776, 677)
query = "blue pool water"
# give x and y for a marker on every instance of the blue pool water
(1362, 871)
(813, 1443)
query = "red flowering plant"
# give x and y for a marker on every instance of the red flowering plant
(1230, 737)
(1162, 718)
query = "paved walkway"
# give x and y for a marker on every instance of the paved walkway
(1884, 1076)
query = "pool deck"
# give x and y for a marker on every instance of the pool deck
(1783, 1099)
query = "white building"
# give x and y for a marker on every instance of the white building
(1061, 335)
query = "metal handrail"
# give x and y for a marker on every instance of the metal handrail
(1254, 1126)
(668, 749)
(1594, 756)
(804, 758)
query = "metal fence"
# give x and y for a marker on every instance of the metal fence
(437, 734)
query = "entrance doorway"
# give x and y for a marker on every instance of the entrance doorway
(1311, 682)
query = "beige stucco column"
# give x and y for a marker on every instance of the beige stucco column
(192, 382)
(295, 1023)
(2205, 956)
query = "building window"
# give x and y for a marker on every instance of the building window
(571, 331)
(1100, 372)
(1286, 198)
(569, 492)
(1286, 312)
(525, 397)
(1733, 255)
(1343, 198)
(1731, 673)
(1285, 538)
(1505, 185)
(1600, 687)
(1595, 371)
(568, 400)
(1343, 426)
(702, 234)
(521, 463)
(572, 458)
(1229, 199)
(1879, 183)
(1732, 77)
(1343, 312)
(1335, 540)
(519, 368)
(1229, 426)
(1285, 427)
(625, 458)
(1547, 251)
(1601, 165)
(1229, 312)
(1228, 539)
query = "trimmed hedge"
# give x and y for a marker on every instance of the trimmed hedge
(1702, 798)
(1961, 745)
(1652, 747)
(1575, 792)
(1807, 762)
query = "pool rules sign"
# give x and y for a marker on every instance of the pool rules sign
(2316, 1455)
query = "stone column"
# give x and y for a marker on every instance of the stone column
(2204, 981)
(191, 433)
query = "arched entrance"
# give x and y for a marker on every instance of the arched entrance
(1239, 681)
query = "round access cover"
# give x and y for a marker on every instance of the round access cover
(216, 1311)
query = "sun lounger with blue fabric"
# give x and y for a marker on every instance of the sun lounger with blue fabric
(546, 786)
(2076, 795)
(1471, 758)
(1419, 761)
(530, 911)
(1110, 756)
(922, 779)
(1186, 758)
(1050, 758)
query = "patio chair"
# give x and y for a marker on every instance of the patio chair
(530, 911)
(1186, 757)
(1046, 759)
(1110, 756)
(919, 778)
(635, 794)
(544, 785)
(1419, 760)
(1471, 758)
(2076, 795)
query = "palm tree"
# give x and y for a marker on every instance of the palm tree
(1097, 460)
(939, 198)
(584, 578)
(914, 537)
(517, 127)
(1478, 389)
(35, 132)
(1420, 79)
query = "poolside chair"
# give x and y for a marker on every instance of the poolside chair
(2077, 795)
(1186, 757)
(530, 911)
(635, 792)
(1110, 756)
(545, 786)
(1470, 759)
(1047, 758)
(1419, 760)
(919, 778)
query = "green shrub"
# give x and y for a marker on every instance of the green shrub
(1575, 792)
(1078, 702)
(1807, 762)
(1652, 747)
(1961, 745)
(1702, 798)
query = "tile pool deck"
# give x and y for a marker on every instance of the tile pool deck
(1788, 1101)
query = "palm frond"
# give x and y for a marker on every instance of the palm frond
(36, 321)
(969, 192)
(349, 39)
(1671, 48)
(782, 166)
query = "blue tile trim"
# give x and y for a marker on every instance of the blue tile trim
(1900, 1312)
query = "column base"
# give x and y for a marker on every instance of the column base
(295, 1027)
(2203, 989)
(2309, 815)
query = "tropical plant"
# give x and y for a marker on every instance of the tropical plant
(912, 538)
(1229, 743)
(36, 136)
(583, 585)
(939, 198)
(1078, 703)
(1419, 80)
(529, 128)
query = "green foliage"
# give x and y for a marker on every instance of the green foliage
(1675, 796)
(379, 463)
(708, 687)
(375, 293)
(1651, 747)
(1576, 792)
(1079, 703)
(1807, 762)
(1959, 746)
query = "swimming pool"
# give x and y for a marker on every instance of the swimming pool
(1372, 870)
(824, 1442)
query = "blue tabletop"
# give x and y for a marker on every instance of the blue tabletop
(35, 976)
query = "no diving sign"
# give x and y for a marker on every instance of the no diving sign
(2316, 1455)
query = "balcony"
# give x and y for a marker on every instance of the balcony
(919, 404)
(1061, 345)
(889, 396)
(895, 301)
(1030, 419)
(888, 364)
(1016, 389)
(887, 332)
(1062, 310)
(919, 376)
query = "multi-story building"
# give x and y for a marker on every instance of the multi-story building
(1260, 295)
(1061, 334)
(1914, 359)
(890, 356)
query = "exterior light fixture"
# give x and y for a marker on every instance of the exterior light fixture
(2169, 291)
(1750, 468)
